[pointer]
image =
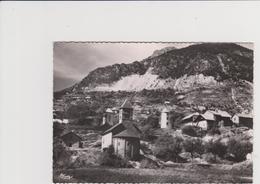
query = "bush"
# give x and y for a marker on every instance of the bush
(190, 130)
(148, 126)
(211, 158)
(152, 121)
(239, 149)
(148, 163)
(216, 148)
(57, 129)
(214, 131)
(61, 156)
(168, 147)
(193, 146)
(145, 148)
(108, 158)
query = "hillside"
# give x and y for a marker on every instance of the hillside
(208, 63)
(214, 75)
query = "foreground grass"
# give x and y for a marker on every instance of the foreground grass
(167, 175)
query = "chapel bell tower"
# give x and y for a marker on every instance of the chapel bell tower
(125, 111)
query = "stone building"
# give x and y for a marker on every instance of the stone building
(125, 135)
(108, 117)
(243, 120)
(165, 119)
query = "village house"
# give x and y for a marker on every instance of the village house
(165, 119)
(108, 117)
(124, 136)
(208, 119)
(72, 140)
(223, 118)
(245, 120)
(205, 121)
(189, 119)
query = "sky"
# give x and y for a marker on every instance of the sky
(74, 60)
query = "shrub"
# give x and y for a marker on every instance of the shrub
(109, 158)
(148, 134)
(239, 149)
(214, 131)
(211, 158)
(148, 163)
(216, 148)
(168, 147)
(193, 146)
(190, 130)
(57, 129)
(61, 156)
(145, 148)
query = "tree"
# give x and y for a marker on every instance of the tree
(193, 146)
(61, 156)
(168, 147)
(57, 129)
(216, 148)
(239, 149)
(109, 158)
(214, 131)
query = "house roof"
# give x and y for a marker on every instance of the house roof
(126, 105)
(190, 115)
(125, 129)
(71, 137)
(114, 109)
(128, 133)
(224, 114)
(244, 115)
(208, 115)
(109, 110)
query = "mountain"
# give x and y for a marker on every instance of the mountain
(206, 64)
(214, 75)
(161, 51)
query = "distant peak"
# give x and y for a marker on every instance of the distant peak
(162, 51)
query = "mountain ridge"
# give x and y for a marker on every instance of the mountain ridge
(218, 60)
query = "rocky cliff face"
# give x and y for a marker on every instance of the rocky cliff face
(203, 64)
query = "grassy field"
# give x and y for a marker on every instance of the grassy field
(180, 174)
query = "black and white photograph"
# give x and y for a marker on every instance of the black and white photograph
(153, 112)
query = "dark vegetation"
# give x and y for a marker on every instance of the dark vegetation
(217, 148)
(239, 149)
(193, 146)
(168, 147)
(109, 158)
(193, 131)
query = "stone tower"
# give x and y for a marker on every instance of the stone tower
(165, 119)
(125, 111)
